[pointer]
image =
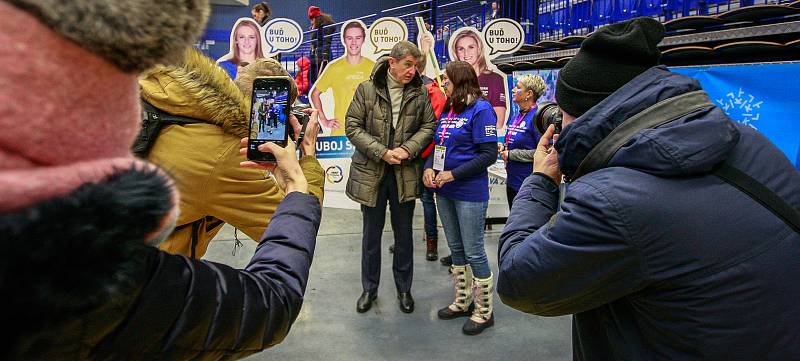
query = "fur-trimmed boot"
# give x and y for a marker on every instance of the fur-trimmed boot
(432, 245)
(462, 306)
(483, 315)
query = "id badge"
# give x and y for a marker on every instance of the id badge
(438, 157)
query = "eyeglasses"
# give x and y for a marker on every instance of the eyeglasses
(446, 82)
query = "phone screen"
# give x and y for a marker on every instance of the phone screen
(268, 117)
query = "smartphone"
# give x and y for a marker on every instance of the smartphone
(269, 115)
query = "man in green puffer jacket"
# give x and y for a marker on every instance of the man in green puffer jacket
(389, 122)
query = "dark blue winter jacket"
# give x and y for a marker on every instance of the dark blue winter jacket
(657, 258)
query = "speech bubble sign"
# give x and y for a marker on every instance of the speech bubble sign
(282, 35)
(503, 36)
(385, 32)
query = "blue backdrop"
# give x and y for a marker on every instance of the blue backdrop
(763, 96)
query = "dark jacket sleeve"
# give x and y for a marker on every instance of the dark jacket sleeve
(487, 155)
(576, 261)
(200, 310)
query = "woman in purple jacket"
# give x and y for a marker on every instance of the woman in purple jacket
(521, 135)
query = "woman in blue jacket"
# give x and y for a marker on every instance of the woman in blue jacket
(521, 135)
(464, 148)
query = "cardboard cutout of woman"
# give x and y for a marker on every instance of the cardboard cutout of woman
(467, 45)
(247, 45)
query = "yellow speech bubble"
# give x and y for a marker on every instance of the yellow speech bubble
(385, 32)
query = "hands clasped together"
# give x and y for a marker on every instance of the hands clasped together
(395, 156)
(436, 179)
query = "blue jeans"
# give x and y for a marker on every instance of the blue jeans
(429, 213)
(463, 225)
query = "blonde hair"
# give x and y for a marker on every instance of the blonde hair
(534, 83)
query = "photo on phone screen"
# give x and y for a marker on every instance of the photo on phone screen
(269, 114)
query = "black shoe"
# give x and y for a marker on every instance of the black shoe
(473, 328)
(364, 302)
(406, 302)
(448, 314)
(431, 255)
(391, 249)
(446, 261)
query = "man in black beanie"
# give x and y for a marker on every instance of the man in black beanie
(656, 255)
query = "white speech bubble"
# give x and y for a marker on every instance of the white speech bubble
(385, 32)
(282, 35)
(503, 36)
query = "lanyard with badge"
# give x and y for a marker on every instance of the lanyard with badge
(439, 150)
(514, 124)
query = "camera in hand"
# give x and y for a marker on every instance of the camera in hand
(546, 114)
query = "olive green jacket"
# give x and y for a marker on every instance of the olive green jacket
(367, 125)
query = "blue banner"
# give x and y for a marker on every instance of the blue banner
(334, 147)
(762, 96)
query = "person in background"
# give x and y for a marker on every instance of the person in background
(438, 99)
(321, 41)
(466, 139)
(468, 46)
(521, 135)
(390, 122)
(246, 49)
(80, 215)
(203, 158)
(495, 11)
(301, 78)
(262, 13)
(343, 76)
(655, 255)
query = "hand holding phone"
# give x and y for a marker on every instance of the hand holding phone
(286, 167)
(269, 115)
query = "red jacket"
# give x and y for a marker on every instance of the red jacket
(437, 101)
(301, 79)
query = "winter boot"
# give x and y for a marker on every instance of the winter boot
(447, 261)
(483, 315)
(433, 248)
(462, 306)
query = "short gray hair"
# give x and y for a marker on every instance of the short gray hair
(405, 48)
(534, 83)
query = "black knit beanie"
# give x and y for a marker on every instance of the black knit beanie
(607, 59)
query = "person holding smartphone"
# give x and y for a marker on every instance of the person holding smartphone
(203, 158)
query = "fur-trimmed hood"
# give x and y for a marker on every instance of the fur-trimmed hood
(132, 35)
(67, 256)
(198, 88)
